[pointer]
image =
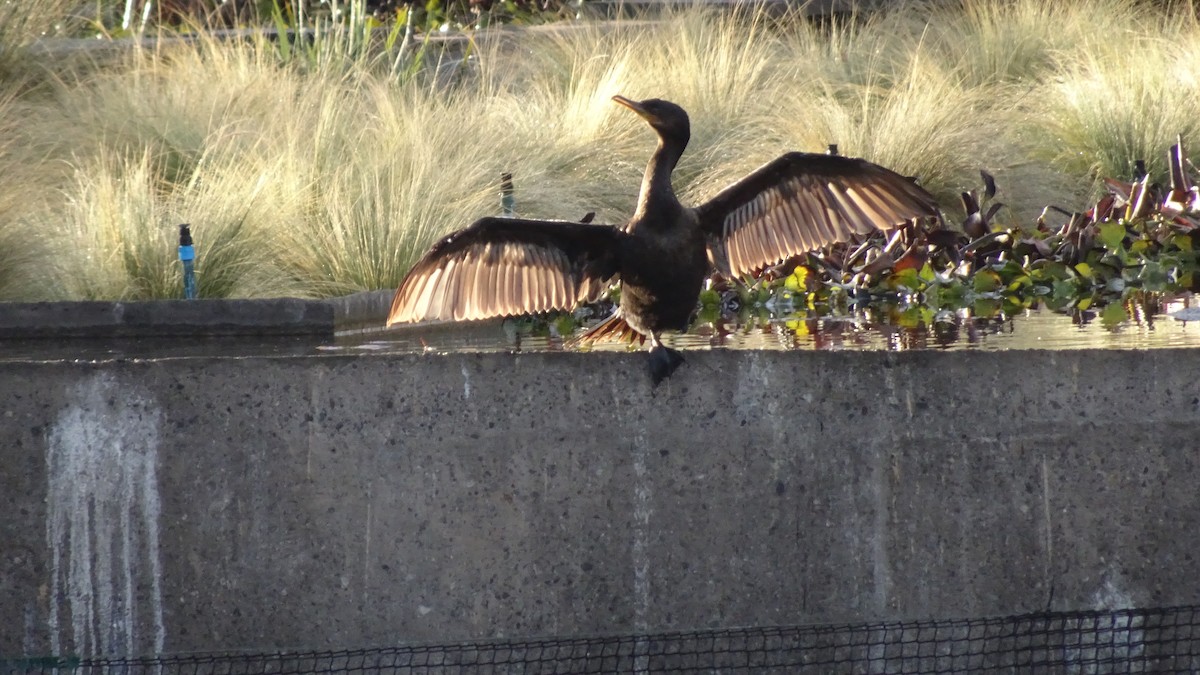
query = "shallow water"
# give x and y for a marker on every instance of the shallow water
(1174, 325)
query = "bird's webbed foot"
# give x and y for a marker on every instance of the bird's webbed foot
(663, 362)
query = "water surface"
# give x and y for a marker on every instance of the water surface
(1170, 325)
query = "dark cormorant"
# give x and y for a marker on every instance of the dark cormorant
(797, 203)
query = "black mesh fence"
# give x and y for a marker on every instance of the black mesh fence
(1164, 640)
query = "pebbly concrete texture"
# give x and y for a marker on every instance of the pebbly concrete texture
(205, 318)
(168, 318)
(196, 504)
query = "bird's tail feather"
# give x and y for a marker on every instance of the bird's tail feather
(612, 329)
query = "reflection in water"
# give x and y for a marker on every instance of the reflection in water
(1135, 324)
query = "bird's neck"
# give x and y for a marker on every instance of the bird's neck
(657, 202)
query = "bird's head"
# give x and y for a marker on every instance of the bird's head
(668, 119)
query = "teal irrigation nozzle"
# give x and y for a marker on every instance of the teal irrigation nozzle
(187, 255)
(507, 201)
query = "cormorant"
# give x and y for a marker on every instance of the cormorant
(796, 203)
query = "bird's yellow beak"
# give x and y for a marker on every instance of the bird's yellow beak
(634, 106)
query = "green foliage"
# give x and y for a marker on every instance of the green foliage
(1128, 260)
(345, 37)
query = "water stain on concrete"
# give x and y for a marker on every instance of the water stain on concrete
(102, 522)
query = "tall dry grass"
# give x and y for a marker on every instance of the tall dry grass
(328, 168)
(1115, 104)
(1020, 42)
(21, 250)
(24, 249)
(1084, 88)
(21, 25)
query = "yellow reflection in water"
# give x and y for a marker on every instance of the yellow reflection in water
(1138, 323)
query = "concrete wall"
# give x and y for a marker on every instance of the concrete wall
(328, 502)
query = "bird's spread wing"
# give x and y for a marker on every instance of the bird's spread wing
(505, 267)
(803, 201)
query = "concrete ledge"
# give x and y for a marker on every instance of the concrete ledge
(196, 318)
(369, 308)
(330, 502)
(166, 318)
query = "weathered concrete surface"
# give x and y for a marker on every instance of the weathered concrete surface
(262, 503)
(206, 318)
(169, 318)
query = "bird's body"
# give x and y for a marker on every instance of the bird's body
(661, 276)
(660, 258)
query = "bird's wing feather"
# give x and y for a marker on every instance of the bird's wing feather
(803, 201)
(508, 266)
